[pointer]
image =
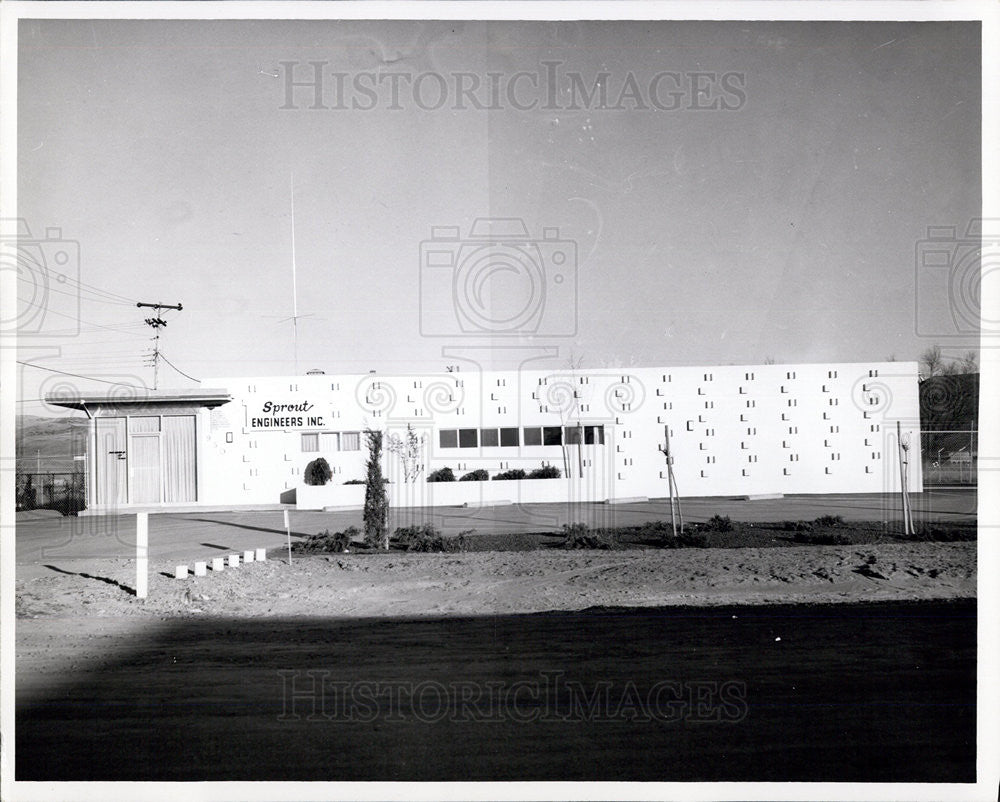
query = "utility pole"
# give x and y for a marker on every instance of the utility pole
(157, 323)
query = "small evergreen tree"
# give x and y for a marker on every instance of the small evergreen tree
(376, 513)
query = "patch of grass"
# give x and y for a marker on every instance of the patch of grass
(822, 538)
(688, 539)
(829, 520)
(796, 526)
(941, 534)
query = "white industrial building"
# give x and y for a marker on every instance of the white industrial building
(734, 430)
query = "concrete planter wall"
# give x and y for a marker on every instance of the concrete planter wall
(452, 494)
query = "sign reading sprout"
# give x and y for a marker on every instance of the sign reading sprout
(284, 415)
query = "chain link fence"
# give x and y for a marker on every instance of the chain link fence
(950, 457)
(64, 492)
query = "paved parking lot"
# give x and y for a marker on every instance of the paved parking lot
(189, 536)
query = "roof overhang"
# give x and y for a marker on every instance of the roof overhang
(209, 398)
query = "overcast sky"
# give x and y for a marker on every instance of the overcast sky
(731, 192)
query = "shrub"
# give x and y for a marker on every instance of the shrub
(657, 529)
(822, 538)
(318, 472)
(427, 537)
(376, 512)
(688, 540)
(514, 473)
(479, 475)
(325, 542)
(441, 475)
(829, 520)
(581, 536)
(545, 472)
(941, 534)
(719, 523)
(796, 526)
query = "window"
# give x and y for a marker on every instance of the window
(310, 441)
(144, 424)
(448, 438)
(330, 441)
(533, 436)
(468, 438)
(552, 435)
(573, 435)
(509, 437)
(489, 437)
(593, 435)
(350, 441)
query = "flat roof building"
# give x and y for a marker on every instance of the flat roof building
(734, 430)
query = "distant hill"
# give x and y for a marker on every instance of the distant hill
(50, 442)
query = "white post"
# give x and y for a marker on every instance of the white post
(260, 555)
(248, 556)
(288, 534)
(234, 560)
(200, 569)
(218, 564)
(142, 555)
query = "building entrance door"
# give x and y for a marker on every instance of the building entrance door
(111, 463)
(144, 462)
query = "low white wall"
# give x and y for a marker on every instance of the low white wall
(450, 494)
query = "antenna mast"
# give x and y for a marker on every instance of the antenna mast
(295, 294)
(157, 323)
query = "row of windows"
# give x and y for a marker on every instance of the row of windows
(328, 442)
(418, 384)
(512, 436)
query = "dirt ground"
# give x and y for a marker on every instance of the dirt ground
(483, 583)
(214, 678)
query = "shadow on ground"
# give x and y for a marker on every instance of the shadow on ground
(874, 692)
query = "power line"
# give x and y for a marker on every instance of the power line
(164, 358)
(78, 376)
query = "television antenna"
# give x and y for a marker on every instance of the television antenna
(295, 295)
